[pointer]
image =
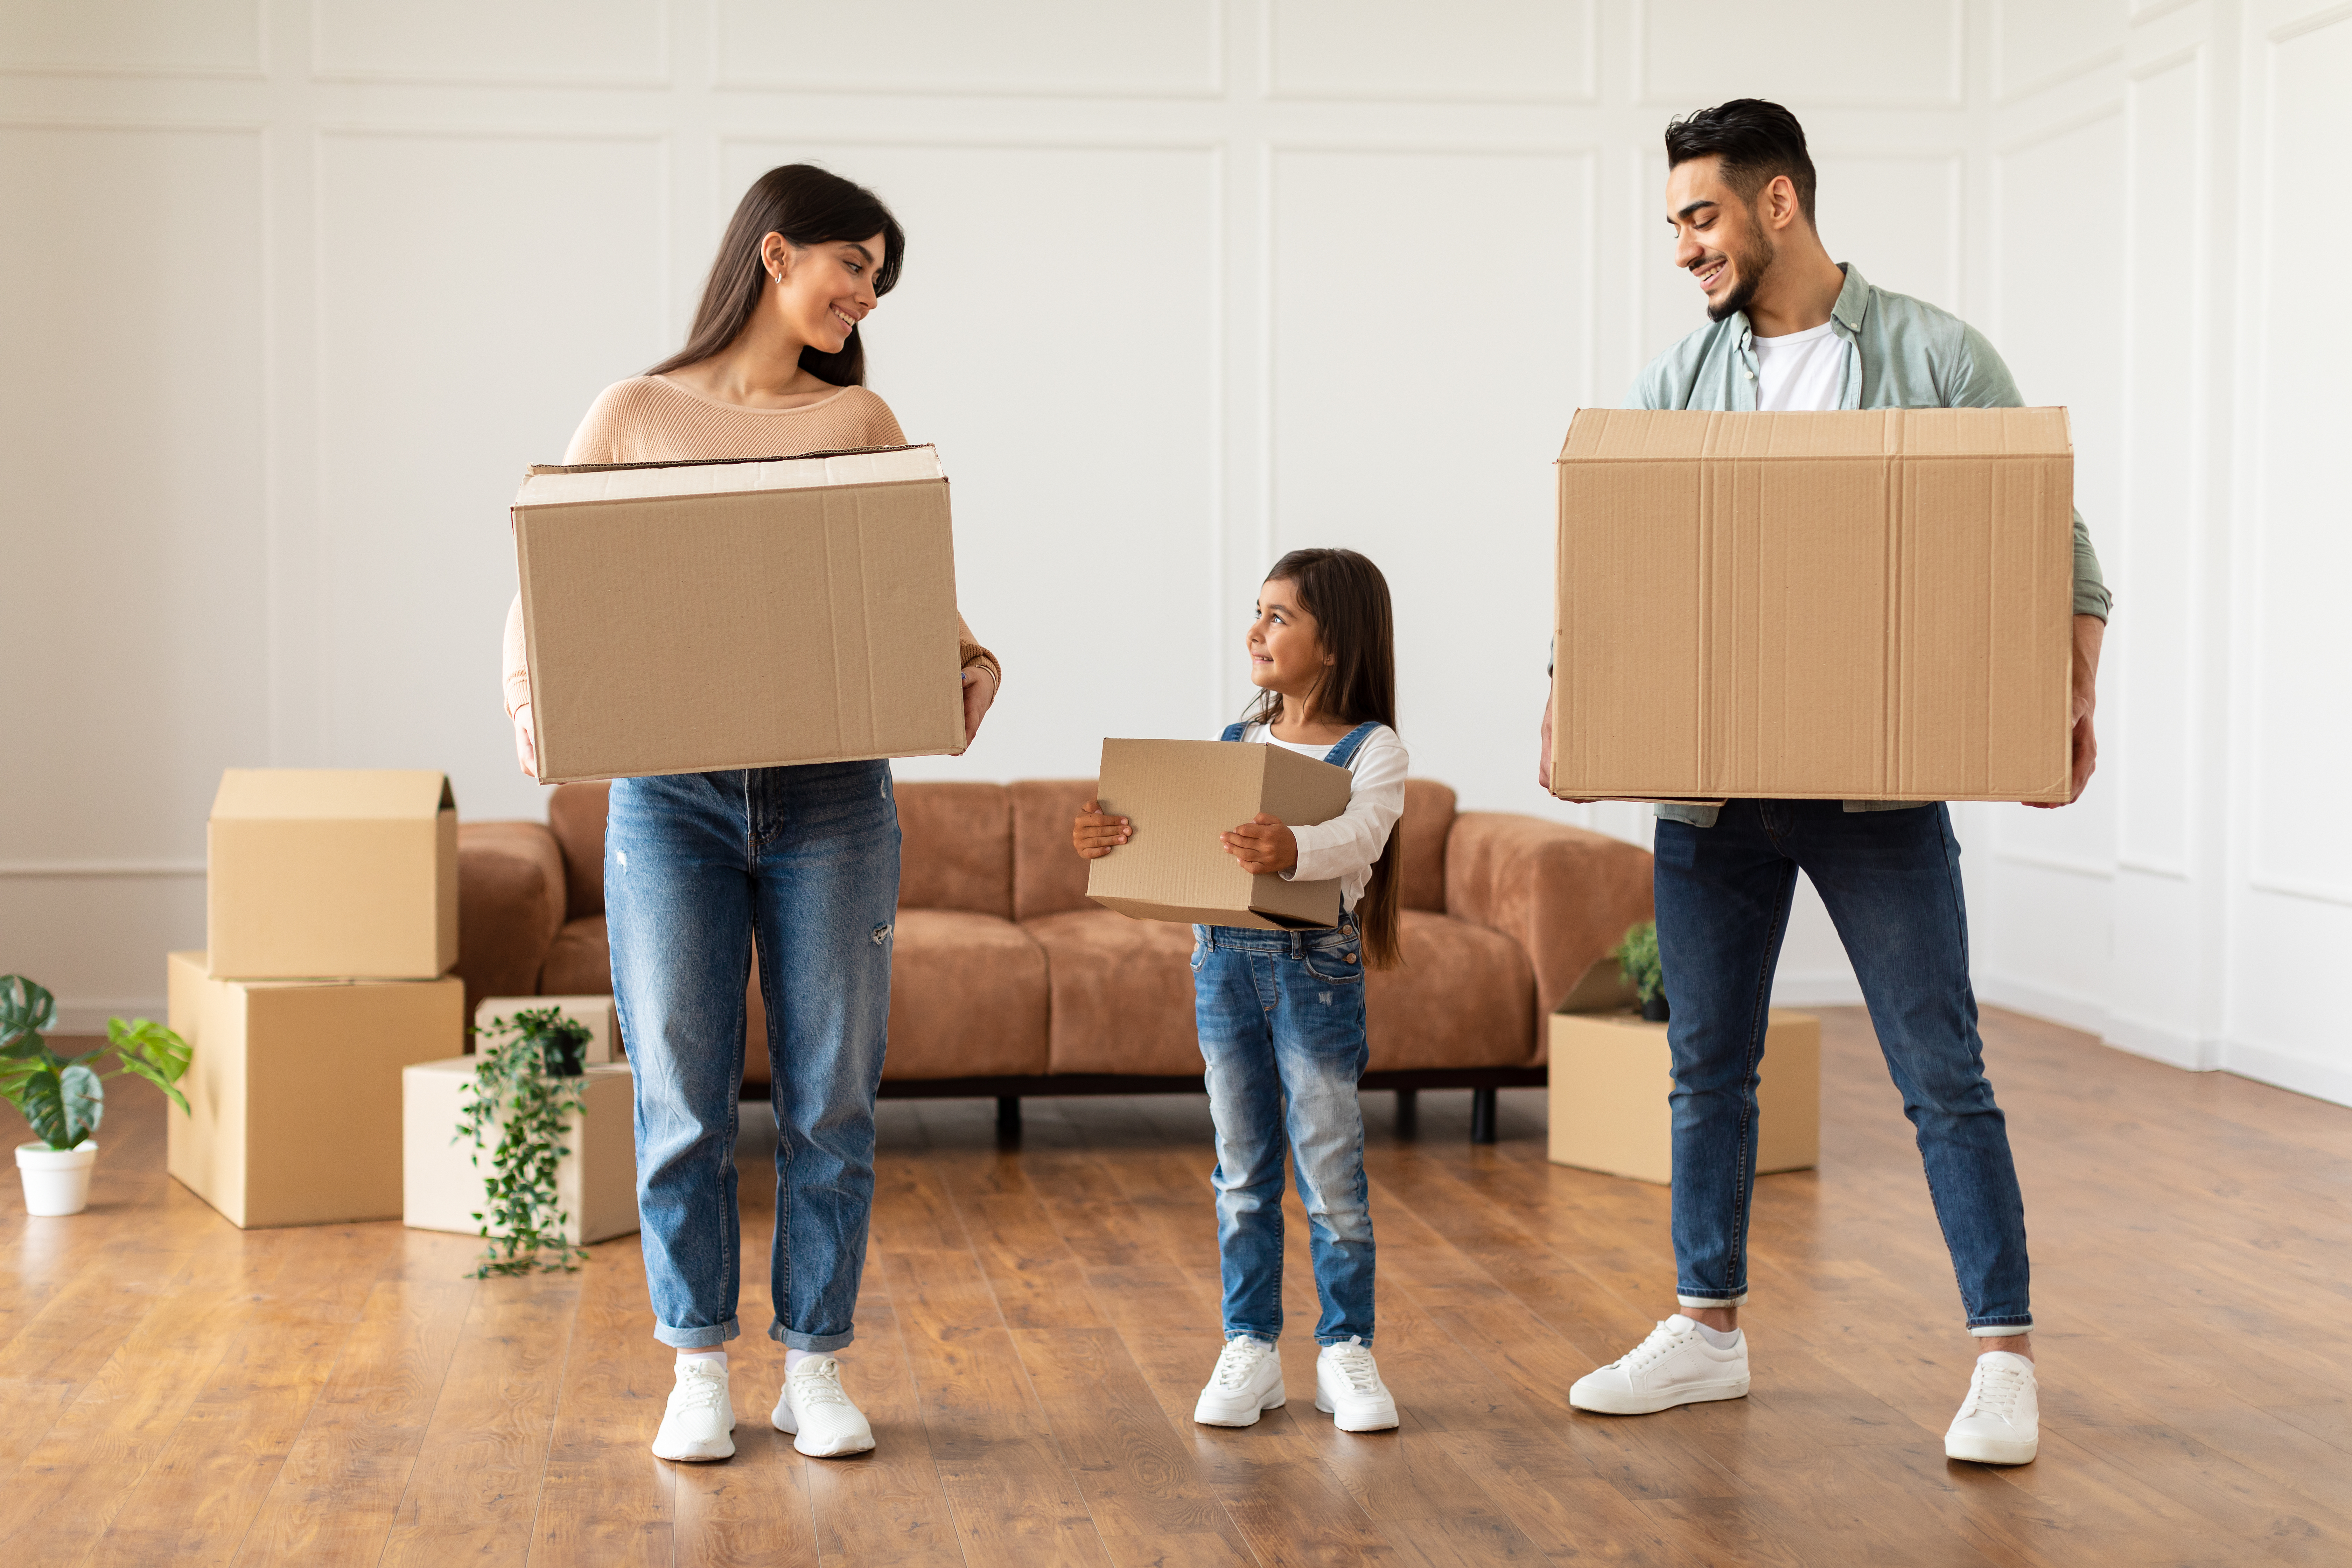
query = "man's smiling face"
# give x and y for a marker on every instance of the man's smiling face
(1717, 239)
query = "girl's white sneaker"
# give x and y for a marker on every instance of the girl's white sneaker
(824, 1423)
(699, 1422)
(1347, 1388)
(1247, 1381)
(1676, 1365)
(1999, 1423)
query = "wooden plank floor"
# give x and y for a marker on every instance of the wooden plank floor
(1036, 1325)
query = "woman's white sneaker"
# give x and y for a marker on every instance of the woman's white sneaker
(1349, 1389)
(824, 1423)
(1999, 1423)
(1247, 1381)
(1676, 1365)
(700, 1420)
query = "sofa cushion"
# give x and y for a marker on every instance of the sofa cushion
(1465, 997)
(580, 961)
(958, 848)
(575, 813)
(1048, 877)
(1122, 991)
(509, 906)
(1428, 818)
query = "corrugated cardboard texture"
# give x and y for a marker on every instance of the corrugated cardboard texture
(1611, 1074)
(294, 1090)
(346, 873)
(688, 617)
(1859, 606)
(598, 1013)
(1180, 796)
(442, 1188)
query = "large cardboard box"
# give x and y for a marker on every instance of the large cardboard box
(348, 873)
(294, 1090)
(595, 1182)
(1860, 605)
(1179, 796)
(683, 618)
(598, 1012)
(1611, 1074)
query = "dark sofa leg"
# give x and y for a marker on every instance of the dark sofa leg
(1408, 1121)
(1482, 1116)
(1008, 1121)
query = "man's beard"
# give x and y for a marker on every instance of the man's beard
(1751, 268)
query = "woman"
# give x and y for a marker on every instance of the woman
(803, 859)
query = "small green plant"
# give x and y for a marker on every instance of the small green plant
(526, 1089)
(1637, 961)
(64, 1097)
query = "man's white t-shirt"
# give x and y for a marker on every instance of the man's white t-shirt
(1800, 373)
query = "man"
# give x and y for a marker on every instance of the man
(1790, 328)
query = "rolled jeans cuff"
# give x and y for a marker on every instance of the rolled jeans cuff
(1686, 1300)
(813, 1343)
(702, 1339)
(2002, 1327)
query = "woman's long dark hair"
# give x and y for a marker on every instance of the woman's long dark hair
(807, 206)
(1349, 600)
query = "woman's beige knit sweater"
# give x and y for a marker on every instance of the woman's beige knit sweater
(652, 419)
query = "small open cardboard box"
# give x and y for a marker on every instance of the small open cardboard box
(1611, 1072)
(1179, 796)
(1872, 605)
(599, 1013)
(339, 873)
(687, 617)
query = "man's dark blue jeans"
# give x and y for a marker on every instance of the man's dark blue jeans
(1890, 881)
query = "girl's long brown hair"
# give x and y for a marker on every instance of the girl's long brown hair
(807, 206)
(1349, 600)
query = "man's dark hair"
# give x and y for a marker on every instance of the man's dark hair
(1756, 141)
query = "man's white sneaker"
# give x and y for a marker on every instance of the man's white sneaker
(700, 1418)
(1247, 1380)
(1348, 1387)
(824, 1423)
(1999, 1423)
(1676, 1365)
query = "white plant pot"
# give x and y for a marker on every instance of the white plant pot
(57, 1181)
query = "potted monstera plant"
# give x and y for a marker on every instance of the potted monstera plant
(1637, 961)
(64, 1097)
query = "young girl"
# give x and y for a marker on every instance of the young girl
(1281, 1014)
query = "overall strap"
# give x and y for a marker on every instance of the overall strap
(1233, 732)
(1341, 756)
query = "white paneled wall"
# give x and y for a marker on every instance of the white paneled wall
(293, 288)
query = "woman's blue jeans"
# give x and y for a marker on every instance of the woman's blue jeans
(696, 865)
(1890, 881)
(1281, 1019)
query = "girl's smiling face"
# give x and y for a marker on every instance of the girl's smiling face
(824, 290)
(1286, 655)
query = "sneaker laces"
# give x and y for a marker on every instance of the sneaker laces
(817, 1382)
(1238, 1361)
(1353, 1361)
(1994, 1390)
(1662, 1340)
(699, 1388)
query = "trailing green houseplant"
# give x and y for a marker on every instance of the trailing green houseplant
(528, 1089)
(1637, 961)
(64, 1098)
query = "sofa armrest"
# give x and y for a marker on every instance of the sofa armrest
(511, 898)
(1565, 894)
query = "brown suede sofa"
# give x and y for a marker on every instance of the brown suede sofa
(1006, 981)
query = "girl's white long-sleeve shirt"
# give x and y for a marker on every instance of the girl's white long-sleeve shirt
(1346, 846)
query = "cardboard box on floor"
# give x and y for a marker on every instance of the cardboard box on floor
(1611, 1073)
(599, 1013)
(442, 1188)
(294, 1090)
(1179, 796)
(1860, 605)
(348, 873)
(683, 618)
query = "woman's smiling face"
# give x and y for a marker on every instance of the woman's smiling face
(823, 289)
(1287, 653)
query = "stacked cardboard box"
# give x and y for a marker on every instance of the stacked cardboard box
(331, 925)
